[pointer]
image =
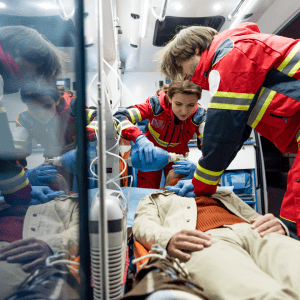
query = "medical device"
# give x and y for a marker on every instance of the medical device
(115, 204)
(162, 159)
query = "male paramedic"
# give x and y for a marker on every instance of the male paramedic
(254, 82)
(229, 250)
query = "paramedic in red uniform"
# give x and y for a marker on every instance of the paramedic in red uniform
(254, 82)
(173, 119)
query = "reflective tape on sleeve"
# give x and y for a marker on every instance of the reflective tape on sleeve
(291, 63)
(206, 176)
(135, 115)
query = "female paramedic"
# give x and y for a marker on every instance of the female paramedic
(51, 120)
(254, 80)
(173, 119)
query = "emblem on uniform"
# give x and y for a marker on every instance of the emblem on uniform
(158, 123)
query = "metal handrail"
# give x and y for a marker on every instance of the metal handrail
(234, 13)
(162, 17)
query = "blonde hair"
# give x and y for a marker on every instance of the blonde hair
(182, 47)
(183, 87)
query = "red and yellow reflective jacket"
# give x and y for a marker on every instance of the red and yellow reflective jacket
(162, 129)
(259, 88)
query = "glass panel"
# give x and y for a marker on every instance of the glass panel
(38, 116)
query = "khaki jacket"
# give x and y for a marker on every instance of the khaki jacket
(160, 215)
(56, 223)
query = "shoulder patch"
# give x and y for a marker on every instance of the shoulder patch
(156, 107)
(199, 116)
(26, 120)
(225, 47)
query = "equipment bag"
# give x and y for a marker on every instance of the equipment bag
(240, 180)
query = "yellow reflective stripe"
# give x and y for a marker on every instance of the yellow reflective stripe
(289, 57)
(294, 69)
(93, 125)
(18, 146)
(160, 142)
(231, 101)
(2, 109)
(7, 181)
(228, 106)
(207, 176)
(17, 188)
(88, 117)
(265, 97)
(124, 124)
(298, 136)
(287, 219)
(135, 115)
(234, 95)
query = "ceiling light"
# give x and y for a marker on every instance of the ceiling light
(218, 6)
(177, 6)
(2, 5)
(46, 5)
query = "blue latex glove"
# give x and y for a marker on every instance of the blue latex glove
(41, 175)
(183, 188)
(146, 147)
(185, 167)
(69, 161)
(43, 194)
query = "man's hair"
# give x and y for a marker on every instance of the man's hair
(183, 87)
(182, 47)
(32, 47)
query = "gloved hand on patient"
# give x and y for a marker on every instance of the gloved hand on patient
(185, 167)
(183, 188)
(145, 147)
(43, 194)
(41, 175)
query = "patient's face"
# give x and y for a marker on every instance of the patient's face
(42, 109)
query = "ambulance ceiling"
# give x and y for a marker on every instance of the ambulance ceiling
(140, 27)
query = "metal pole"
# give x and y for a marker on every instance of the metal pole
(86, 291)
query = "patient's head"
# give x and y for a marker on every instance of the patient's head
(172, 178)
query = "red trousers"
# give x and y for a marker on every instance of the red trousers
(151, 180)
(290, 207)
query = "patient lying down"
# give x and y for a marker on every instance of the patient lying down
(228, 249)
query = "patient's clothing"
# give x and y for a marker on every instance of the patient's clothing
(11, 223)
(212, 214)
(239, 265)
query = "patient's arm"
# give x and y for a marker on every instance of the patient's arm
(31, 253)
(187, 241)
(267, 224)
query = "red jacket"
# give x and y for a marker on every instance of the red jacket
(259, 87)
(162, 129)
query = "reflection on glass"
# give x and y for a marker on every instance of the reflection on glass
(38, 217)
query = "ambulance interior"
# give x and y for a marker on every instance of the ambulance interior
(111, 47)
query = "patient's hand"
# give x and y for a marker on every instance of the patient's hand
(30, 252)
(267, 224)
(187, 241)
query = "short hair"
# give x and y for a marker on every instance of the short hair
(32, 47)
(36, 89)
(182, 47)
(183, 87)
